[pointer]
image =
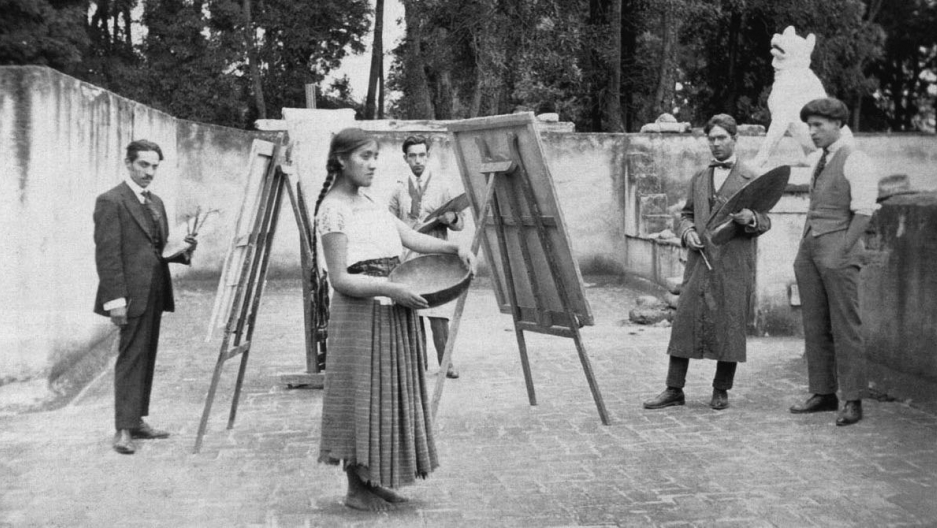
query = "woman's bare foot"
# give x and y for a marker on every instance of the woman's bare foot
(361, 496)
(388, 494)
(366, 501)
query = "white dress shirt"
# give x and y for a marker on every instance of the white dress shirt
(861, 173)
(720, 173)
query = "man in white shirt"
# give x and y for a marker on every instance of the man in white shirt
(414, 198)
(130, 232)
(843, 194)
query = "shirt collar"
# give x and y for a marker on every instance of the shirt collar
(844, 140)
(134, 187)
(422, 179)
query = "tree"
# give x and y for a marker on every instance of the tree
(47, 32)
(112, 61)
(411, 74)
(186, 60)
(906, 70)
(732, 71)
(301, 42)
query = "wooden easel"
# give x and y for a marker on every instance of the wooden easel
(254, 252)
(512, 167)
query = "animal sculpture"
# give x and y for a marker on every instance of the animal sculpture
(795, 85)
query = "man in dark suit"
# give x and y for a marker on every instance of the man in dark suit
(717, 283)
(130, 232)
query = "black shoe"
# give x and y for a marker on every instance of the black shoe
(122, 442)
(145, 432)
(669, 397)
(452, 373)
(720, 399)
(817, 403)
(851, 413)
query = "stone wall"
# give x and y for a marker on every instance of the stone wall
(898, 298)
(61, 144)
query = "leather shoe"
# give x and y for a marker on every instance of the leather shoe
(720, 399)
(669, 397)
(851, 413)
(452, 373)
(817, 403)
(145, 432)
(123, 443)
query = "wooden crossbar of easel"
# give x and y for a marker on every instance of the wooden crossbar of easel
(547, 322)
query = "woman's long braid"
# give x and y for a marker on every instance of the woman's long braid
(320, 283)
(333, 168)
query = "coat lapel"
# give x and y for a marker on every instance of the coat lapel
(736, 180)
(136, 210)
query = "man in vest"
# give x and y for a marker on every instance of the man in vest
(843, 194)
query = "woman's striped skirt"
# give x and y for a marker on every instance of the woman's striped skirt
(375, 412)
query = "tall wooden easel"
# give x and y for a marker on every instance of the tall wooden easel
(511, 198)
(244, 286)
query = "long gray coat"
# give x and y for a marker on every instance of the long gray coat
(714, 305)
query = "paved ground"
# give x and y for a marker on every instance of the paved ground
(504, 463)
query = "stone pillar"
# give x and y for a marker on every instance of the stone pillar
(898, 300)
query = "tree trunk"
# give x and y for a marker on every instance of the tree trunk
(732, 82)
(613, 93)
(380, 97)
(252, 59)
(377, 63)
(421, 105)
(598, 69)
(663, 95)
(629, 50)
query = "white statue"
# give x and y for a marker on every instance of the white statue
(795, 85)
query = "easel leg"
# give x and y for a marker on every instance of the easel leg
(512, 295)
(447, 355)
(525, 365)
(590, 377)
(203, 424)
(237, 390)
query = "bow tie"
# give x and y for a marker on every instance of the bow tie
(721, 164)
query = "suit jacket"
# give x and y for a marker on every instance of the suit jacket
(127, 254)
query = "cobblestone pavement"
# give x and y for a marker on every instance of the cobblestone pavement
(503, 462)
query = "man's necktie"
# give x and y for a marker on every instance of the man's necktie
(820, 166)
(416, 200)
(721, 164)
(151, 206)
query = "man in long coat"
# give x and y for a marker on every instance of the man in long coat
(717, 282)
(130, 232)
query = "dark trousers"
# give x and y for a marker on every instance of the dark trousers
(828, 281)
(136, 361)
(676, 373)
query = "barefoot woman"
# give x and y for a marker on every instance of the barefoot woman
(375, 413)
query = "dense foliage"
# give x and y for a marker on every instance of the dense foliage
(607, 65)
(227, 62)
(615, 64)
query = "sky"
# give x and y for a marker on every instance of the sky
(358, 66)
